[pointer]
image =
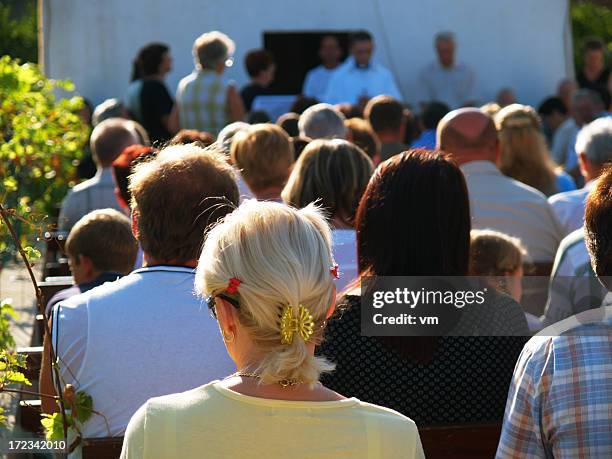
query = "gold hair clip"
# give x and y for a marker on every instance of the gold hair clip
(302, 324)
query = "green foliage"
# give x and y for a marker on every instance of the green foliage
(81, 410)
(11, 365)
(53, 425)
(6, 313)
(590, 20)
(41, 135)
(18, 34)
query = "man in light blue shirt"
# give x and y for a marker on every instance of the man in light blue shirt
(315, 84)
(446, 80)
(360, 78)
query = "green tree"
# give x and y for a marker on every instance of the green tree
(590, 19)
(41, 135)
(18, 33)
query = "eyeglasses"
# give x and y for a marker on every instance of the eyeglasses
(210, 301)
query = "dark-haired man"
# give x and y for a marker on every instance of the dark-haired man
(260, 66)
(360, 78)
(386, 116)
(594, 74)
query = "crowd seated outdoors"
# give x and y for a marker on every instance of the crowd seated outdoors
(217, 263)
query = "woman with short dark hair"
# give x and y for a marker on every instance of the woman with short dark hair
(414, 220)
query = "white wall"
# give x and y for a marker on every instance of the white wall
(517, 43)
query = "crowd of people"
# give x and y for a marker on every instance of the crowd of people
(217, 259)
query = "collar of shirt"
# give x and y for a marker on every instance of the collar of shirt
(165, 268)
(104, 175)
(480, 167)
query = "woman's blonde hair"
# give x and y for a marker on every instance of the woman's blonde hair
(524, 155)
(282, 257)
(334, 172)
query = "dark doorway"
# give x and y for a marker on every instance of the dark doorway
(295, 53)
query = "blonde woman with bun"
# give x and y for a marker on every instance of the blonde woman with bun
(524, 154)
(268, 274)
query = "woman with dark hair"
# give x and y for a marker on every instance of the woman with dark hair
(148, 100)
(414, 220)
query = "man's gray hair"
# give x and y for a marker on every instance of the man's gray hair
(226, 136)
(110, 108)
(595, 140)
(322, 121)
(212, 48)
(445, 35)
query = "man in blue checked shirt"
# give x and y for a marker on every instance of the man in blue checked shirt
(560, 400)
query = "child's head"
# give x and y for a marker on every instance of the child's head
(499, 256)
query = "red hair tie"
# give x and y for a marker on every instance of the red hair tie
(232, 286)
(334, 271)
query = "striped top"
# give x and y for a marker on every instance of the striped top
(201, 98)
(560, 400)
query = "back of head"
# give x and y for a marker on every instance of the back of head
(362, 135)
(552, 105)
(468, 134)
(211, 49)
(433, 113)
(282, 257)
(384, 113)
(595, 141)
(598, 227)
(110, 108)
(586, 105)
(123, 164)
(264, 155)
(494, 254)
(289, 123)
(226, 136)
(177, 196)
(187, 136)
(524, 155)
(148, 60)
(332, 172)
(257, 61)
(110, 138)
(104, 236)
(322, 121)
(414, 218)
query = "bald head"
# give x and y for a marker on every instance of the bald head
(111, 137)
(468, 134)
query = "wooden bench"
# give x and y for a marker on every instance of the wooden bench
(102, 448)
(477, 441)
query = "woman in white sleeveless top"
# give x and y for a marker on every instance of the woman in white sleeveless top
(268, 272)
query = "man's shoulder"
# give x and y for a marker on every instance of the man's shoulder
(594, 322)
(568, 197)
(83, 186)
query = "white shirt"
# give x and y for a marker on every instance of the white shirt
(561, 142)
(96, 193)
(345, 253)
(349, 83)
(316, 81)
(142, 336)
(500, 203)
(569, 207)
(454, 86)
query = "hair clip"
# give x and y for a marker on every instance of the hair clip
(302, 324)
(232, 286)
(334, 271)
